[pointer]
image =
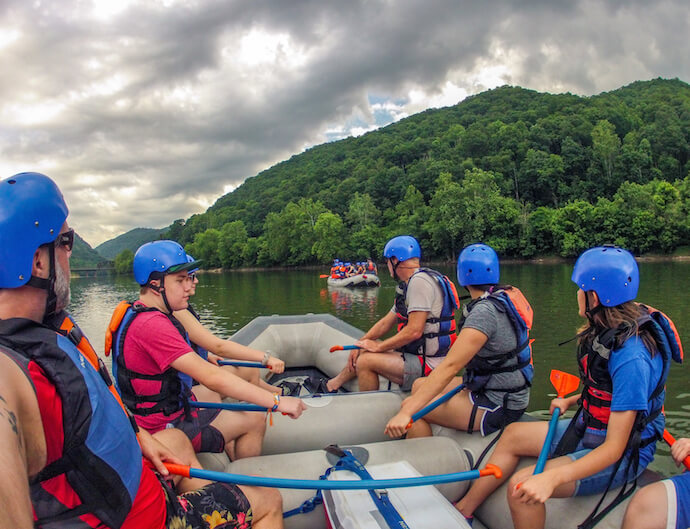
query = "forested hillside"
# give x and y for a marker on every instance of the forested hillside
(128, 241)
(526, 172)
(83, 256)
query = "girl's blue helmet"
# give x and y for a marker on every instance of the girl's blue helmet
(609, 271)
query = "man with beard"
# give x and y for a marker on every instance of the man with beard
(70, 453)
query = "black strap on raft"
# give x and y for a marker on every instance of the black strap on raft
(349, 462)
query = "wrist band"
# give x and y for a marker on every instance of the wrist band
(276, 399)
(266, 358)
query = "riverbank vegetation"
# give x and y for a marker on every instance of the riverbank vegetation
(529, 173)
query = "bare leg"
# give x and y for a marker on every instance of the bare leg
(204, 394)
(267, 507)
(180, 445)
(341, 378)
(533, 515)
(648, 508)
(371, 365)
(519, 439)
(247, 429)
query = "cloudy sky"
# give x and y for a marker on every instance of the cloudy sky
(145, 111)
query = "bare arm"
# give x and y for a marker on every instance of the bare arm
(226, 348)
(541, 487)
(468, 344)
(230, 385)
(409, 333)
(381, 327)
(22, 439)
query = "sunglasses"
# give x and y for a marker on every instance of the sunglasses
(66, 239)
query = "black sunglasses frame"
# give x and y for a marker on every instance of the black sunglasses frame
(66, 239)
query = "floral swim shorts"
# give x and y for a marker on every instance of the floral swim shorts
(215, 506)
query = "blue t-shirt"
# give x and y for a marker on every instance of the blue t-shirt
(635, 375)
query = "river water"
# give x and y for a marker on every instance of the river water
(228, 301)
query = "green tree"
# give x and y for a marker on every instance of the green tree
(606, 147)
(232, 243)
(124, 261)
(330, 235)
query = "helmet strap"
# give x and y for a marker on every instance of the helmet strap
(590, 312)
(47, 284)
(161, 290)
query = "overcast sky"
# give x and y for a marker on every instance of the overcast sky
(148, 111)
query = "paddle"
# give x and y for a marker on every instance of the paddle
(323, 484)
(432, 406)
(237, 363)
(324, 275)
(564, 383)
(232, 406)
(343, 348)
(670, 440)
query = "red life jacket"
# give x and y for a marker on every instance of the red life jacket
(593, 360)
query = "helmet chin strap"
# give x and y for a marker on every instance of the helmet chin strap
(161, 290)
(47, 284)
(590, 312)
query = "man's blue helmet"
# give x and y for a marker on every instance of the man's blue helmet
(478, 265)
(162, 258)
(609, 271)
(32, 211)
(402, 247)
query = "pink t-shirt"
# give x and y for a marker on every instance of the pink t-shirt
(152, 343)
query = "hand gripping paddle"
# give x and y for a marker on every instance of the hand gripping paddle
(670, 440)
(565, 383)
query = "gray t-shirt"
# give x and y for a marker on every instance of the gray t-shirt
(424, 295)
(486, 318)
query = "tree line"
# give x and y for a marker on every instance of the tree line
(531, 174)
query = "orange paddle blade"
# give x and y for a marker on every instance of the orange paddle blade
(323, 275)
(564, 383)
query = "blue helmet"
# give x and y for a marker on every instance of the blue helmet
(191, 259)
(32, 211)
(609, 271)
(161, 257)
(478, 265)
(402, 247)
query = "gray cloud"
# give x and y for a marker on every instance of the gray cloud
(150, 113)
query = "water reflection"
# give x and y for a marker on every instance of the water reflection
(345, 301)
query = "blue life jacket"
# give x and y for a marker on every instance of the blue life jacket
(175, 390)
(101, 459)
(478, 372)
(447, 333)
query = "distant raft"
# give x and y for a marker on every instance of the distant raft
(358, 281)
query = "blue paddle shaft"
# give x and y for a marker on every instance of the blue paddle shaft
(324, 484)
(237, 363)
(349, 347)
(541, 462)
(430, 407)
(232, 406)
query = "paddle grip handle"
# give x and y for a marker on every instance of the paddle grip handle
(541, 461)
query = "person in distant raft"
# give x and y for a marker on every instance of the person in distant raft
(151, 349)
(666, 503)
(494, 348)
(424, 312)
(70, 456)
(624, 354)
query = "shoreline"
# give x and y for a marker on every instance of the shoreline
(546, 260)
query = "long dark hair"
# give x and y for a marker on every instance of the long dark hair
(623, 317)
